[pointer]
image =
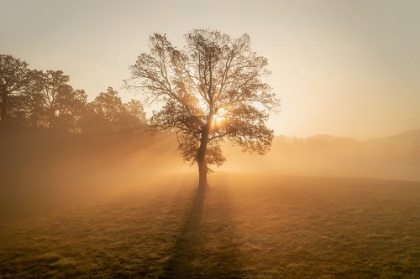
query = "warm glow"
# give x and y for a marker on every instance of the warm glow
(220, 117)
(202, 104)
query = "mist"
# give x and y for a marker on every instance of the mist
(112, 113)
(394, 157)
(45, 168)
(118, 205)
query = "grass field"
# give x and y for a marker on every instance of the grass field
(243, 226)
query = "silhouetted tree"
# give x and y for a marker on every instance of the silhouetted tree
(13, 79)
(45, 99)
(109, 105)
(107, 113)
(70, 108)
(51, 85)
(50, 101)
(34, 99)
(135, 108)
(211, 90)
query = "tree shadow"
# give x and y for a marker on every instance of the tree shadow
(195, 254)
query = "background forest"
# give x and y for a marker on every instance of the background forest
(45, 99)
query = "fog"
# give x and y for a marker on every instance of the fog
(114, 206)
(395, 157)
(42, 169)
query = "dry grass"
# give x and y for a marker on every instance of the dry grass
(244, 226)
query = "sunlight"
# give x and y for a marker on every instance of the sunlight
(220, 117)
(202, 103)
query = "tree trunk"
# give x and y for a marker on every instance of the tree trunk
(201, 158)
(3, 109)
(202, 175)
(51, 118)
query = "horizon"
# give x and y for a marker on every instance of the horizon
(346, 137)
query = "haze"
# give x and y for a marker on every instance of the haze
(345, 69)
(91, 194)
(115, 207)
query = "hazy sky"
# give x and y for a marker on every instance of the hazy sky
(344, 68)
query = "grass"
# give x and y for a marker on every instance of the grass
(244, 226)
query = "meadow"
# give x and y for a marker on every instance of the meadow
(244, 226)
(129, 214)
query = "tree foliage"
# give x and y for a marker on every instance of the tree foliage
(13, 79)
(46, 99)
(211, 90)
(111, 114)
(52, 102)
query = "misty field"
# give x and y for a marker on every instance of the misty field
(243, 226)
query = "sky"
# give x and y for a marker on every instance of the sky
(342, 68)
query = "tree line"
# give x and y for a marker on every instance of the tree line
(45, 99)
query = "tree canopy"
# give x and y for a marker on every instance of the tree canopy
(211, 90)
(13, 79)
(107, 113)
(45, 99)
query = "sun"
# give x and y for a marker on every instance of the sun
(220, 117)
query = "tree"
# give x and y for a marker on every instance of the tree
(109, 105)
(52, 83)
(70, 108)
(210, 91)
(13, 79)
(135, 108)
(34, 99)
(50, 101)
(107, 113)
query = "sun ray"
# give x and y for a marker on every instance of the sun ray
(220, 117)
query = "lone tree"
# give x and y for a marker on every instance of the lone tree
(211, 91)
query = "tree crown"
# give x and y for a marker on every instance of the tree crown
(214, 86)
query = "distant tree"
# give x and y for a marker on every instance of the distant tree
(13, 79)
(70, 108)
(34, 102)
(53, 81)
(50, 101)
(107, 113)
(133, 118)
(210, 91)
(16, 114)
(41, 96)
(109, 105)
(135, 108)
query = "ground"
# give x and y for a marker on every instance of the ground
(243, 226)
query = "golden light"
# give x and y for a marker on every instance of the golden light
(203, 105)
(220, 117)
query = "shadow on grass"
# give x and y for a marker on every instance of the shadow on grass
(205, 248)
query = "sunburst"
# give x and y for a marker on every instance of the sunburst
(220, 117)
